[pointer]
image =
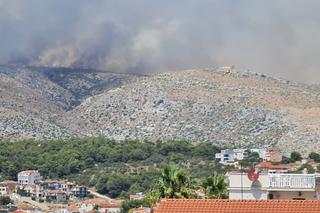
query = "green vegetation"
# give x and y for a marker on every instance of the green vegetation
(216, 187)
(252, 159)
(114, 168)
(315, 156)
(295, 156)
(309, 168)
(175, 182)
(4, 200)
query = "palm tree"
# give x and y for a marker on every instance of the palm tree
(174, 183)
(215, 187)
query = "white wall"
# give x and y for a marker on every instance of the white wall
(259, 190)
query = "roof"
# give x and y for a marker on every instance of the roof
(73, 208)
(104, 204)
(113, 204)
(28, 171)
(268, 165)
(236, 206)
(93, 201)
(18, 211)
(272, 150)
(9, 182)
(26, 207)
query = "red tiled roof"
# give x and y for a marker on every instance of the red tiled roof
(109, 205)
(26, 207)
(104, 204)
(73, 208)
(236, 206)
(268, 165)
(10, 182)
(18, 211)
(93, 201)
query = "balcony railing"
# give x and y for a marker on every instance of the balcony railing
(292, 181)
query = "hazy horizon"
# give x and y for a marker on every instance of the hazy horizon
(275, 37)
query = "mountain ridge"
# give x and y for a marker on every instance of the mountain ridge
(237, 108)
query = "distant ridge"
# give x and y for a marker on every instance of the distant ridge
(235, 108)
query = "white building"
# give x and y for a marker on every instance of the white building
(229, 156)
(225, 156)
(29, 177)
(112, 206)
(273, 186)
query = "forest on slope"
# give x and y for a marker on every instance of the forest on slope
(113, 168)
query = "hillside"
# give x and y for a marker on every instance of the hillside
(238, 109)
(241, 109)
(33, 99)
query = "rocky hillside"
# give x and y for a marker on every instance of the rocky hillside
(240, 108)
(33, 99)
(237, 108)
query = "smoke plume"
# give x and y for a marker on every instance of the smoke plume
(275, 37)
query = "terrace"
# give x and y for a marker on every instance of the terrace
(292, 182)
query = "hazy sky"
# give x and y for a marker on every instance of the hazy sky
(275, 37)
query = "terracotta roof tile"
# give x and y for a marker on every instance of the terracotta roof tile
(73, 208)
(93, 201)
(26, 207)
(236, 206)
(268, 165)
(109, 205)
(18, 211)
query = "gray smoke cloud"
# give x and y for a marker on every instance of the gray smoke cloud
(275, 37)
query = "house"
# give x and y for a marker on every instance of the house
(3, 189)
(31, 190)
(229, 156)
(55, 196)
(237, 206)
(79, 191)
(72, 209)
(137, 196)
(7, 187)
(269, 186)
(8, 208)
(271, 168)
(66, 186)
(273, 155)
(226, 156)
(50, 184)
(29, 177)
(27, 208)
(114, 206)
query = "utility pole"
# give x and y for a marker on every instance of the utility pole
(241, 175)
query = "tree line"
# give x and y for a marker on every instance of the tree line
(113, 168)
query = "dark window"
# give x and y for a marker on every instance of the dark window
(270, 196)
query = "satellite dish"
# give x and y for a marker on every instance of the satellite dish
(253, 174)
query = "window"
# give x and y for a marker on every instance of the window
(270, 196)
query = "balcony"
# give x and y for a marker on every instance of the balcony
(292, 182)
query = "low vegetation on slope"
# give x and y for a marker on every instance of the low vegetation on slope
(33, 99)
(238, 108)
(241, 109)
